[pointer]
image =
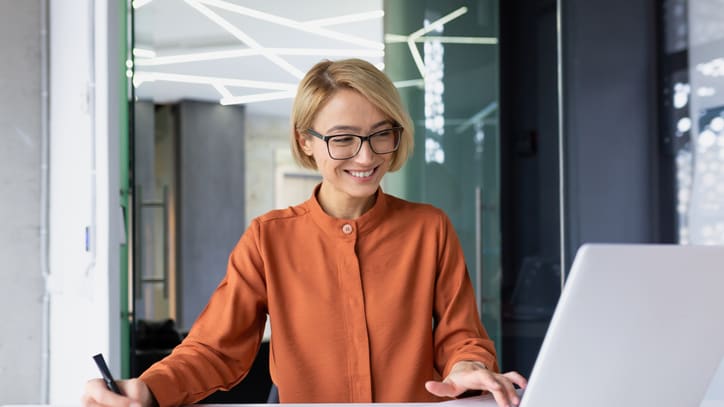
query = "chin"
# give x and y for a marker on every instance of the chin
(362, 191)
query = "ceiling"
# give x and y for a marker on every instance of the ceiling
(239, 51)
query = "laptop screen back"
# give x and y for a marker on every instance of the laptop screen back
(635, 325)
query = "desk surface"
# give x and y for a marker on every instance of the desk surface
(482, 401)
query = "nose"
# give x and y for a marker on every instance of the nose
(365, 153)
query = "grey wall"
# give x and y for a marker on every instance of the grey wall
(609, 105)
(21, 284)
(211, 200)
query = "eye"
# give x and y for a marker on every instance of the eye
(343, 139)
(385, 133)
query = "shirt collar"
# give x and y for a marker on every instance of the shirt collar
(334, 226)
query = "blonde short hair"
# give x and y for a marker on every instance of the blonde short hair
(321, 83)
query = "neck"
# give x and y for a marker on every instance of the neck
(344, 206)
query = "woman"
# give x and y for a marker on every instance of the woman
(368, 295)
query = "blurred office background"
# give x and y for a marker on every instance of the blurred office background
(140, 138)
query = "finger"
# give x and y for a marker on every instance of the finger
(517, 378)
(510, 389)
(88, 402)
(97, 392)
(442, 389)
(484, 380)
(496, 385)
(501, 397)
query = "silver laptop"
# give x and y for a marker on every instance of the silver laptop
(638, 325)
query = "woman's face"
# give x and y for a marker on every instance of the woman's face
(348, 112)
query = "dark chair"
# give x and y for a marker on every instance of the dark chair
(526, 316)
(154, 340)
(536, 290)
(255, 388)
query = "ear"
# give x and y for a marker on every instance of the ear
(305, 142)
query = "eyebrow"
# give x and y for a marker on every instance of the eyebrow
(357, 129)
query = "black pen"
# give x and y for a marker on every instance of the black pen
(106, 373)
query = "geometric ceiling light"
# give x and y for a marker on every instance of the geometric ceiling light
(301, 26)
(281, 90)
(235, 52)
(147, 57)
(145, 76)
(139, 52)
(345, 19)
(244, 38)
(259, 97)
(139, 3)
(393, 38)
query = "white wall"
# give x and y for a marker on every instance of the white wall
(264, 135)
(84, 287)
(21, 284)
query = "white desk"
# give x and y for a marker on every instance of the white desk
(482, 401)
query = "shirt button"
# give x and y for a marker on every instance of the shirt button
(347, 228)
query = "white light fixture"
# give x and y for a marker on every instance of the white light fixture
(222, 90)
(239, 53)
(213, 10)
(139, 3)
(143, 53)
(241, 36)
(435, 25)
(396, 38)
(349, 18)
(292, 24)
(410, 83)
(261, 97)
(282, 90)
(142, 76)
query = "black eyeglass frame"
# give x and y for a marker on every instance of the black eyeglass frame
(398, 129)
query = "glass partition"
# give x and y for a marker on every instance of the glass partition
(443, 55)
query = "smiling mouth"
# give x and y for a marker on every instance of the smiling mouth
(362, 174)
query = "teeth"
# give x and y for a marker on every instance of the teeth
(360, 174)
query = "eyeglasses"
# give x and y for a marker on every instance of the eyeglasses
(346, 146)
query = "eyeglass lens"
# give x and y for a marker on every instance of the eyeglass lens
(347, 145)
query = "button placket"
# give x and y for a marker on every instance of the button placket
(360, 380)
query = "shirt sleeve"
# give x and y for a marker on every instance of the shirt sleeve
(458, 333)
(223, 342)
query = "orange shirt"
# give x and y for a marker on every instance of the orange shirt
(362, 310)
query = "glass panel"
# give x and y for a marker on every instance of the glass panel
(449, 81)
(227, 53)
(530, 176)
(693, 64)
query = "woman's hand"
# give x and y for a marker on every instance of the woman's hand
(137, 394)
(468, 375)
